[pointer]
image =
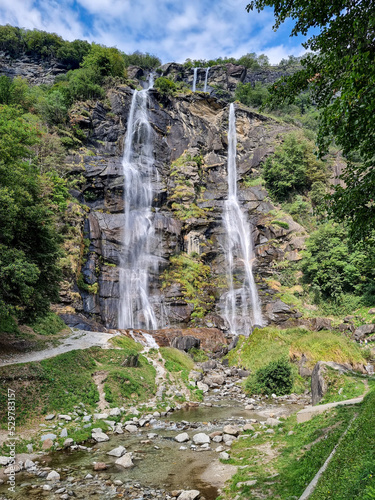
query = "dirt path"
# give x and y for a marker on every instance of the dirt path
(77, 340)
(99, 378)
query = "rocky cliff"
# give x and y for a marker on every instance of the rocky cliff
(190, 151)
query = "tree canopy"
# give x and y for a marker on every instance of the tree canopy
(340, 73)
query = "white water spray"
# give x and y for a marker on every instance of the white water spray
(135, 308)
(195, 79)
(206, 79)
(241, 306)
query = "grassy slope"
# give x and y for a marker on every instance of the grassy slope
(283, 465)
(60, 383)
(269, 344)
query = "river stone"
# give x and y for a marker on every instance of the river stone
(100, 466)
(273, 422)
(29, 464)
(46, 487)
(50, 417)
(217, 439)
(189, 495)
(219, 449)
(64, 433)
(48, 436)
(233, 430)
(99, 437)
(228, 439)
(53, 476)
(131, 428)
(118, 429)
(65, 417)
(4, 460)
(201, 438)
(125, 461)
(12, 468)
(117, 452)
(68, 442)
(115, 412)
(182, 438)
(202, 387)
(214, 380)
(209, 365)
(224, 455)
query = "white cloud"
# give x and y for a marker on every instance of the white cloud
(196, 29)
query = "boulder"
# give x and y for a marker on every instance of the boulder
(99, 436)
(319, 324)
(232, 430)
(53, 476)
(125, 461)
(47, 444)
(195, 376)
(131, 428)
(214, 380)
(50, 417)
(362, 331)
(201, 438)
(202, 387)
(209, 365)
(182, 438)
(189, 495)
(273, 422)
(185, 343)
(319, 384)
(100, 466)
(117, 452)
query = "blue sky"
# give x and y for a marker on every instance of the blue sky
(173, 30)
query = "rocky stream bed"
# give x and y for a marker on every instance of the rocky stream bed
(181, 452)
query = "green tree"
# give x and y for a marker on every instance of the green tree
(29, 248)
(294, 169)
(104, 61)
(340, 73)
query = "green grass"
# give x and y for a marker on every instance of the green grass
(342, 386)
(269, 344)
(198, 355)
(351, 472)
(48, 325)
(60, 383)
(297, 457)
(177, 362)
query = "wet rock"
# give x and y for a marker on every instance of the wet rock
(189, 495)
(100, 466)
(182, 438)
(131, 428)
(125, 461)
(99, 436)
(117, 452)
(201, 438)
(53, 476)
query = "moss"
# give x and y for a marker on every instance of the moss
(198, 286)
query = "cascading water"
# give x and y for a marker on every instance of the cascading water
(195, 79)
(240, 306)
(137, 260)
(206, 79)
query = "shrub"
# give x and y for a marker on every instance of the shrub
(274, 378)
(164, 85)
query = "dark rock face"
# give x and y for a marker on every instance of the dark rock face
(363, 331)
(194, 125)
(319, 383)
(185, 343)
(35, 69)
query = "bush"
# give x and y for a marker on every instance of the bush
(164, 85)
(274, 378)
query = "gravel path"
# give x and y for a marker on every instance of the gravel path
(80, 339)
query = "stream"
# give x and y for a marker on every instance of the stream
(161, 464)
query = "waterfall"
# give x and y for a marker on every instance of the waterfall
(241, 306)
(135, 308)
(195, 79)
(205, 79)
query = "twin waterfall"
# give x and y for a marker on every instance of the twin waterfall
(139, 239)
(241, 307)
(195, 73)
